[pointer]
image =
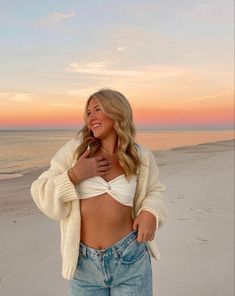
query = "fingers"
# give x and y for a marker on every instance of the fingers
(85, 154)
(104, 163)
(144, 240)
(99, 157)
(145, 232)
(93, 166)
(103, 166)
(144, 237)
(103, 169)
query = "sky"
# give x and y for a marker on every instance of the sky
(173, 60)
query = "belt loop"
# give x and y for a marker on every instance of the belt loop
(84, 253)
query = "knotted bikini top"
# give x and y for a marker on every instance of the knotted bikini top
(119, 188)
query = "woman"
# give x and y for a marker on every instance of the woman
(105, 191)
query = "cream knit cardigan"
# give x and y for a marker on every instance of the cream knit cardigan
(56, 196)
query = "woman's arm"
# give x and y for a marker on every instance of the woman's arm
(53, 190)
(154, 199)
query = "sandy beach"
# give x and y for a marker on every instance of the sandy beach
(196, 243)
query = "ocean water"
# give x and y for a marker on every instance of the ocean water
(25, 151)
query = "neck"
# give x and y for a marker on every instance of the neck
(106, 152)
(108, 148)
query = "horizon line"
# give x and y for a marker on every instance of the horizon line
(137, 129)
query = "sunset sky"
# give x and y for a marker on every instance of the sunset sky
(173, 60)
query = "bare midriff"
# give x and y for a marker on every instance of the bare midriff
(104, 221)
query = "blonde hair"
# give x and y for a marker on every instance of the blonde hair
(117, 107)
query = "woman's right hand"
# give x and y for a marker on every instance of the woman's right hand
(91, 167)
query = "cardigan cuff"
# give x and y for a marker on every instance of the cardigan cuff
(68, 271)
(65, 189)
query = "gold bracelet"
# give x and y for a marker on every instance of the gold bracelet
(73, 175)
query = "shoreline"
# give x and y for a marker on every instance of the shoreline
(15, 192)
(157, 152)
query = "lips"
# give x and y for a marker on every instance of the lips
(95, 125)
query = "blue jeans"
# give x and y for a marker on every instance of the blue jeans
(122, 269)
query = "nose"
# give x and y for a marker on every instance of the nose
(91, 116)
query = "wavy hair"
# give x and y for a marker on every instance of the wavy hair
(117, 107)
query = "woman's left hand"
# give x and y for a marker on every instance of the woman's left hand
(145, 223)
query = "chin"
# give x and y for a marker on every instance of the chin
(97, 135)
(101, 134)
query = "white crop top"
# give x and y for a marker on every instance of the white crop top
(119, 188)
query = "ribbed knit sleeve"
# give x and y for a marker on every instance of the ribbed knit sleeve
(53, 190)
(154, 198)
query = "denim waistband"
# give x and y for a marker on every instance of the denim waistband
(114, 250)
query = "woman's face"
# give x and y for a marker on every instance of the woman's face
(100, 124)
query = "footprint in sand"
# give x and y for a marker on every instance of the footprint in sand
(172, 199)
(177, 197)
(183, 218)
(202, 211)
(201, 240)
